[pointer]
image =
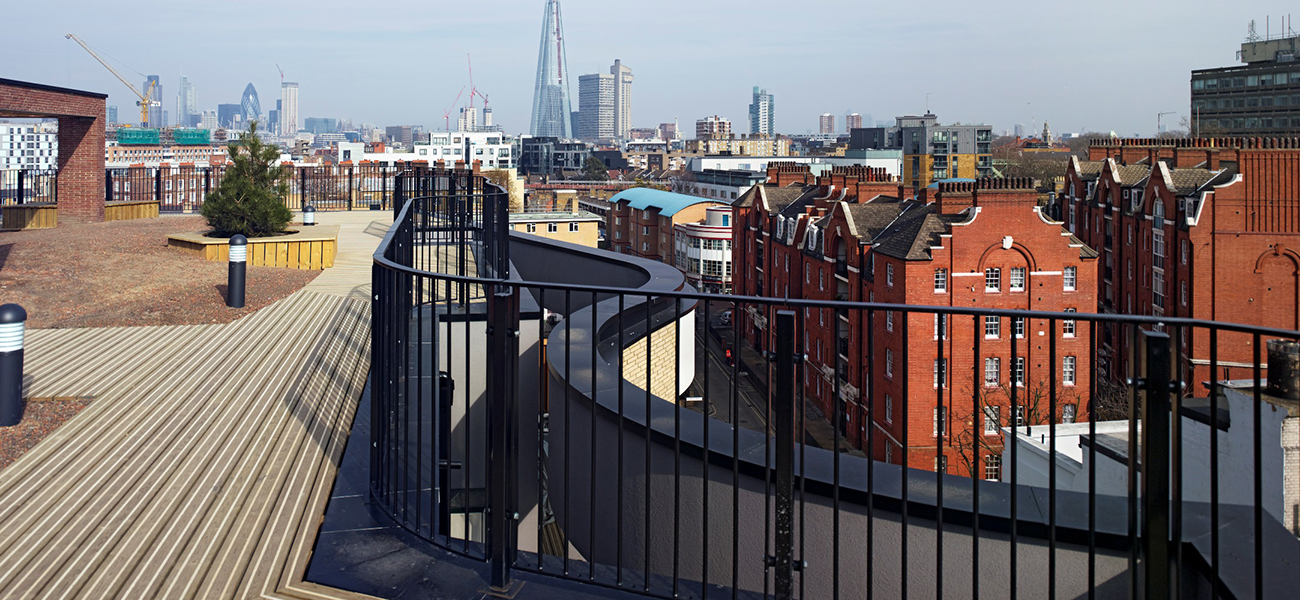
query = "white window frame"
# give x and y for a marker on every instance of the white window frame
(992, 280)
(889, 274)
(992, 419)
(889, 320)
(1070, 277)
(1068, 372)
(940, 421)
(941, 281)
(992, 366)
(889, 409)
(1068, 326)
(1018, 374)
(993, 467)
(992, 327)
(889, 363)
(1017, 273)
(940, 373)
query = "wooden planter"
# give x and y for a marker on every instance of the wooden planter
(127, 210)
(307, 248)
(36, 215)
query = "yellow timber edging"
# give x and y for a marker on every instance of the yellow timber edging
(306, 248)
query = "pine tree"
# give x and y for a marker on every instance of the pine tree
(250, 198)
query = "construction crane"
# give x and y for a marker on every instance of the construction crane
(144, 103)
(446, 115)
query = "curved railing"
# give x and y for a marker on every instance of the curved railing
(552, 408)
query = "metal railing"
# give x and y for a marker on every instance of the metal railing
(28, 186)
(549, 409)
(183, 188)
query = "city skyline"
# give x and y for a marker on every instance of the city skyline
(1020, 72)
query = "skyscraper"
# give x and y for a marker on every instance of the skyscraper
(249, 104)
(595, 107)
(826, 123)
(288, 108)
(112, 115)
(762, 113)
(187, 104)
(622, 99)
(154, 95)
(551, 110)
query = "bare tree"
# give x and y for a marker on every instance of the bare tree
(1034, 404)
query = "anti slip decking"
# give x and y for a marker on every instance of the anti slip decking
(202, 467)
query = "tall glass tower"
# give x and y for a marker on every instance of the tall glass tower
(252, 108)
(551, 113)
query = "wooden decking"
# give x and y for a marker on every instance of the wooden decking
(203, 466)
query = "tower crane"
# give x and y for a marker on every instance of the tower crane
(446, 115)
(144, 101)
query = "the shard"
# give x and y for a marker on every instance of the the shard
(551, 113)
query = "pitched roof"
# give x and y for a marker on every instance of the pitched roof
(1187, 181)
(866, 221)
(1131, 175)
(910, 236)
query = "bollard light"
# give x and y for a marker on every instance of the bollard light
(13, 323)
(238, 271)
(309, 215)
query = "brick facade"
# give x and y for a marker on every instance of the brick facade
(81, 118)
(1226, 213)
(870, 246)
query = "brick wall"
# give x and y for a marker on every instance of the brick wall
(663, 360)
(81, 118)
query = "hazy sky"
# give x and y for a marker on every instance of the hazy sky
(1093, 65)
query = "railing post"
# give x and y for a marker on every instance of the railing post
(1155, 465)
(157, 185)
(108, 185)
(302, 187)
(399, 195)
(22, 198)
(783, 415)
(503, 359)
(349, 187)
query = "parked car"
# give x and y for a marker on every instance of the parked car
(725, 318)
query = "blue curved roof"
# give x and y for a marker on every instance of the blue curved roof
(668, 203)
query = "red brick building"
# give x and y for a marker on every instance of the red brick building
(1200, 228)
(985, 244)
(81, 116)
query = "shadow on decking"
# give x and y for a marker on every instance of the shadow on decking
(335, 375)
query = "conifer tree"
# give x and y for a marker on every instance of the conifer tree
(250, 197)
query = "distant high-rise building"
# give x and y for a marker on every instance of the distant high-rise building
(319, 125)
(668, 131)
(468, 119)
(288, 108)
(187, 104)
(852, 121)
(551, 109)
(154, 95)
(712, 127)
(595, 107)
(400, 134)
(208, 120)
(165, 123)
(112, 115)
(622, 99)
(1019, 130)
(226, 114)
(762, 113)
(826, 123)
(252, 109)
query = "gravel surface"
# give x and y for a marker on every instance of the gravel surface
(123, 273)
(40, 418)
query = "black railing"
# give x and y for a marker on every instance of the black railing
(183, 188)
(547, 408)
(28, 186)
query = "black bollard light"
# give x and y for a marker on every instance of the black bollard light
(309, 215)
(13, 322)
(238, 271)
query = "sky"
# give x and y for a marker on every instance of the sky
(1100, 65)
